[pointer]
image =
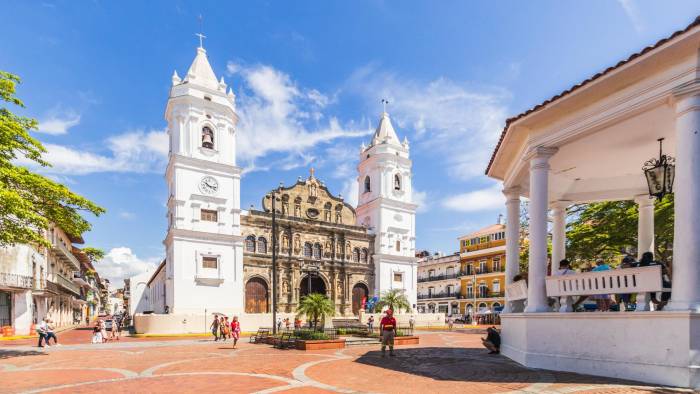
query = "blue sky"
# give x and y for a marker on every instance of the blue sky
(309, 77)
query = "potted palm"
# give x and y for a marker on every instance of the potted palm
(396, 300)
(316, 307)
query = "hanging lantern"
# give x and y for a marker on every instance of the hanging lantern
(660, 173)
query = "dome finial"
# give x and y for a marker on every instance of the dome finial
(200, 35)
(384, 103)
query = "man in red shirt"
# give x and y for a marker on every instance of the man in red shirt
(388, 330)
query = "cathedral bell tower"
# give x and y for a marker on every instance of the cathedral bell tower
(385, 207)
(204, 248)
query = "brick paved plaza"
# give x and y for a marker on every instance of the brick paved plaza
(442, 363)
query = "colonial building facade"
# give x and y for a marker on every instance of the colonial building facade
(320, 249)
(483, 264)
(439, 284)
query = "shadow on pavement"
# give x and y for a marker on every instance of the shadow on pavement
(476, 365)
(5, 354)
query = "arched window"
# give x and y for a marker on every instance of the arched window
(356, 255)
(363, 255)
(250, 244)
(317, 251)
(307, 250)
(367, 184)
(262, 245)
(397, 182)
(207, 137)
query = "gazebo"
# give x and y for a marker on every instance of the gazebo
(590, 143)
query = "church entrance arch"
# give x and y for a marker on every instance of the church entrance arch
(359, 294)
(256, 296)
(311, 284)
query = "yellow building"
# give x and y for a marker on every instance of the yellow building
(483, 263)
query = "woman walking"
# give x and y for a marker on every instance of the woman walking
(235, 330)
(222, 329)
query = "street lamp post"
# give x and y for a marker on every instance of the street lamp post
(273, 197)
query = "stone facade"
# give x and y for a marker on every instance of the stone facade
(317, 236)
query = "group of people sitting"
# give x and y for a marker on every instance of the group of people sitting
(605, 302)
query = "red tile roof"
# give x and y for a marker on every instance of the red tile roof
(621, 63)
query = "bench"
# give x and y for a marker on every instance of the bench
(286, 341)
(640, 280)
(262, 334)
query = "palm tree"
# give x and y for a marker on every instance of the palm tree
(395, 299)
(315, 306)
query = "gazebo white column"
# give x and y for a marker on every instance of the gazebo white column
(539, 195)
(558, 233)
(686, 248)
(645, 225)
(645, 239)
(512, 239)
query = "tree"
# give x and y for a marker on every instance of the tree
(29, 202)
(608, 230)
(94, 254)
(394, 299)
(315, 306)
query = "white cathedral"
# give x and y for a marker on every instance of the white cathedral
(203, 268)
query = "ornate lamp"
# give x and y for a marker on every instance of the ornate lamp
(660, 173)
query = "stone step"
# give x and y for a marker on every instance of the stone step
(358, 341)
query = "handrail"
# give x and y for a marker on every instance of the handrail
(15, 280)
(619, 281)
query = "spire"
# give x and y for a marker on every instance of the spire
(201, 73)
(176, 78)
(385, 132)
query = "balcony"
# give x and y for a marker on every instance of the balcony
(499, 294)
(479, 271)
(64, 254)
(442, 294)
(79, 279)
(484, 245)
(14, 281)
(438, 277)
(66, 284)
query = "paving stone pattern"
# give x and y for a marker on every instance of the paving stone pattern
(444, 362)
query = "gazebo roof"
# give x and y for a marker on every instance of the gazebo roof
(644, 52)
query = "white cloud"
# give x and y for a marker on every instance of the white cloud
(278, 116)
(134, 151)
(58, 123)
(126, 215)
(120, 263)
(421, 199)
(454, 120)
(633, 14)
(489, 199)
(350, 191)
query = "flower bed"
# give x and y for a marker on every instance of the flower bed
(312, 344)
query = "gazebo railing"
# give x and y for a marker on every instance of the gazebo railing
(640, 280)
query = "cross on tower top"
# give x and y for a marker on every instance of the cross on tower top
(200, 35)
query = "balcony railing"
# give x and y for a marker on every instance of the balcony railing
(484, 245)
(442, 294)
(479, 271)
(499, 294)
(15, 281)
(66, 284)
(438, 277)
(64, 254)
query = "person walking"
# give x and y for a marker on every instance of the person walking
(222, 328)
(214, 327)
(387, 326)
(41, 330)
(97, 333)
(115, 329)
(103, 331)
(235, 330)
(50, 333)
(450, 322)
(370, 323)
(279, 324)
(412, 322)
